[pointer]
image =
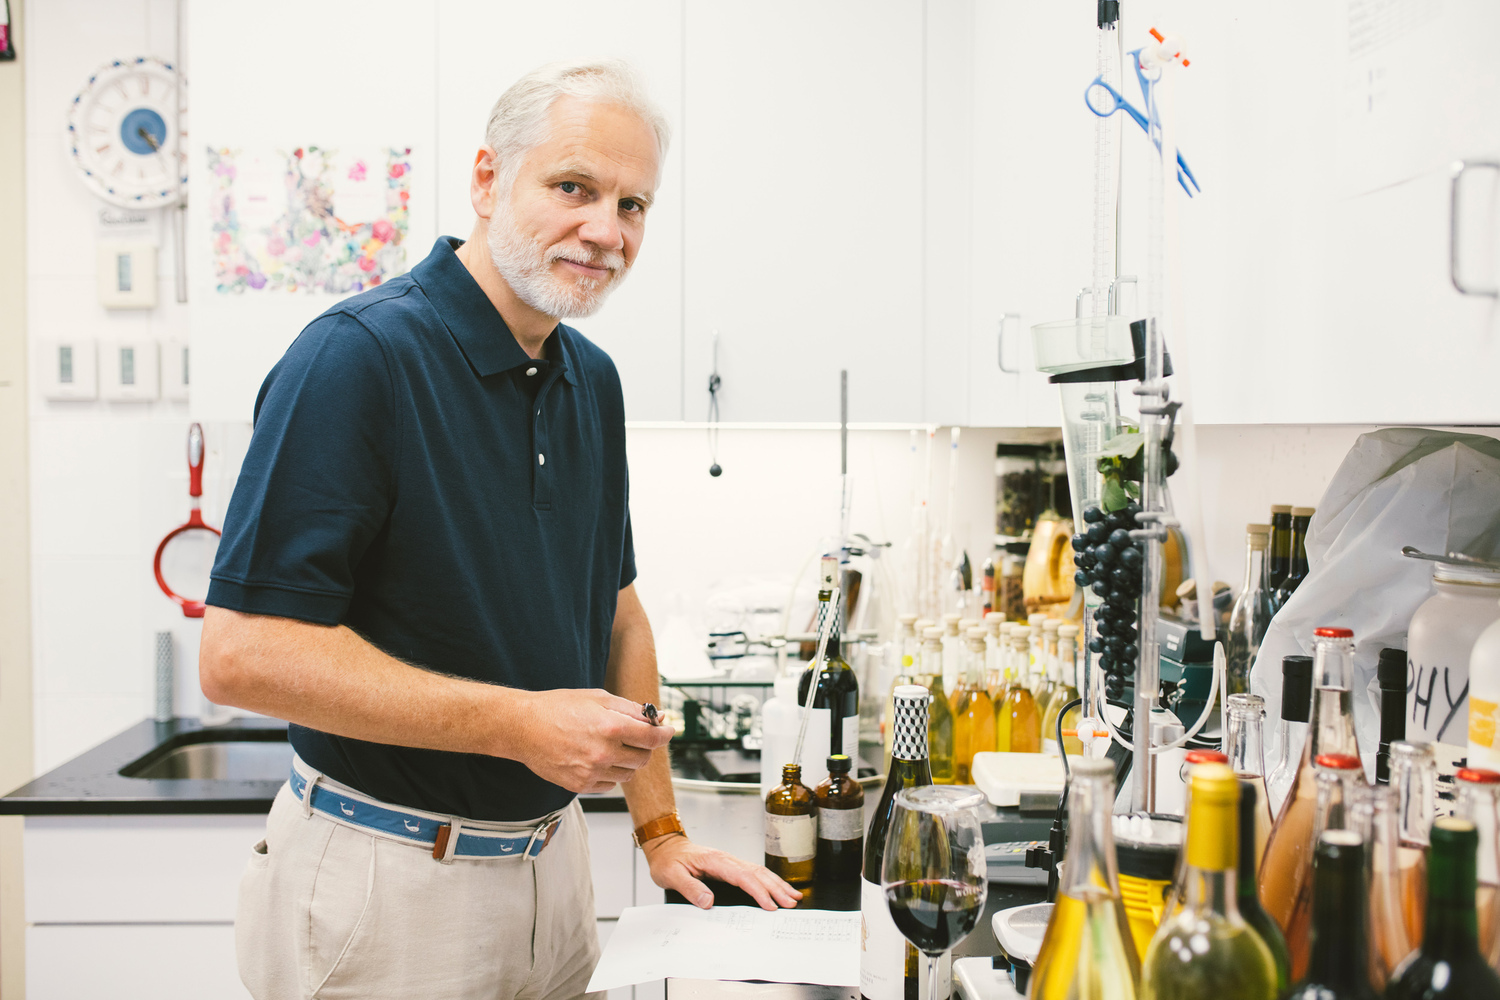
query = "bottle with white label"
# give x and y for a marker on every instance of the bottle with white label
(791, 828)
(1440, 640)
(838, 692)
(889, 966)
(841, 823)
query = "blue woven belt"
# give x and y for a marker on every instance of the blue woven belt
(424, 830)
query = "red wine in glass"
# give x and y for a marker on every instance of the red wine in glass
(936, 913)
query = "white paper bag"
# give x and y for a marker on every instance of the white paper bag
(1399, 486)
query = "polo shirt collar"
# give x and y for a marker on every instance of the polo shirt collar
(473, 320)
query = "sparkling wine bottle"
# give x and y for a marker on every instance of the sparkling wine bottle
(1338, 968)
(1448, 965)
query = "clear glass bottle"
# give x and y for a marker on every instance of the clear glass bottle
(1448, 964)
(1390, 942)
(1285, 872)
(1243, 741)
(1036, 673)
(1087, 950)
(1022, 722)
(888, 965)
(1206, 949)
(1478, 801)
(1067, 691)
(1251, 614)
(940, 714)
(841, 823)
(1249, 901)
(1296, 707)
(993, 675)
(973, 714)
(791, 828)
(952, 650)
(1414, 776)
(1338, 968)
(1047, 666)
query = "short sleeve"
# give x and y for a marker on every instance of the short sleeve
(317, 482)
(627, 562)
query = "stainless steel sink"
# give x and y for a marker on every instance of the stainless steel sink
(225, 760)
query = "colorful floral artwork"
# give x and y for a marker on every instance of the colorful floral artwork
(312, 219)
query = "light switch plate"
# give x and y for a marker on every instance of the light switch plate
(127, 275)
(129, 371)
(176, 370)
(67, 369)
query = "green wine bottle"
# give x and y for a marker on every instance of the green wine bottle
(1248, 899)
(1448, 965)
(1338, 967)
(1205, 949)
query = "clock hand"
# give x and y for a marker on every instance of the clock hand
(150, 139)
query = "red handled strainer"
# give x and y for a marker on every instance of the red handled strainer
(185, 557)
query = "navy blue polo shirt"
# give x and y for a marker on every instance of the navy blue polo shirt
(415, 476)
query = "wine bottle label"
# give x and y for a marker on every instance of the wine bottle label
(792, 837)
(882, 953)
(851, 737)
(841, 824)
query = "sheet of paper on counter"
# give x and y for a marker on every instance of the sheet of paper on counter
(730, 942)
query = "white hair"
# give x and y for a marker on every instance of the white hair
(519, 120)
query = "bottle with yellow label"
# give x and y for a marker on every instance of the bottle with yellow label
(1206, 949)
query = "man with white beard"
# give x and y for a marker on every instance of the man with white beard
(427, 569)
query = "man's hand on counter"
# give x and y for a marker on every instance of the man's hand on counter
(676, 863)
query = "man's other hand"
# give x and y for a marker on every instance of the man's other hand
(676, 863)
(585, 740)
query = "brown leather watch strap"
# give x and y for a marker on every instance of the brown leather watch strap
(659, 827)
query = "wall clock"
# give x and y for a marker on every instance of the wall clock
(122, 133)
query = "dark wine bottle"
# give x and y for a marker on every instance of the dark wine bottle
(1297, 565)
(838, 692)
(1448, 965)
(1391, 673)
(1338, 968)
(1245, 878)
(888, 964)
(841, 823)
(1279, 559)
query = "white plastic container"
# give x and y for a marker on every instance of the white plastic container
(780, 718)
(1484, 699)
(1439, 642)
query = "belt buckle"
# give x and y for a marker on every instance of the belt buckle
(545, 831)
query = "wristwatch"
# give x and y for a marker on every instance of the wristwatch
(659, 827)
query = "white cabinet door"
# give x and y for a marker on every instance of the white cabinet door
(612, 859)
(1031, 198)
(132, 962)
(485, 47)
(803, 227)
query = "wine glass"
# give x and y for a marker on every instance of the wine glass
(934, 872)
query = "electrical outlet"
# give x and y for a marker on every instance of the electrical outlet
(127, 275)
(68, 369)
(129, 371)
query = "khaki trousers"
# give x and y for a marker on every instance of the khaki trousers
(330, 910)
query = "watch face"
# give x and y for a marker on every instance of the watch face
(122, 133)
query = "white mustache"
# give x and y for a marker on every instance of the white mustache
(609, 260)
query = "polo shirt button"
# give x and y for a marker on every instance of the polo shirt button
(531, 371)
(541, 459)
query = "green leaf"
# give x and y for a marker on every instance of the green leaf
(1134, 489)
(1113, 497)
(1124, 445)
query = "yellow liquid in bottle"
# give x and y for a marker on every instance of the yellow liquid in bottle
(1086, 953)
(1025, 721)
(973, 732)
(1002, 719)
(940, 734)
(1070, 744)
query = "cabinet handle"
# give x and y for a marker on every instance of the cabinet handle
(1005, 321)
(1460, 167)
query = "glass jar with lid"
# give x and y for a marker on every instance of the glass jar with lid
(1442, 634)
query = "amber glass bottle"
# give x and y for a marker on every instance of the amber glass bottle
(791, 827)
(841, 823)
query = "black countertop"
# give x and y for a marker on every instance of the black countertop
(91, 784)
